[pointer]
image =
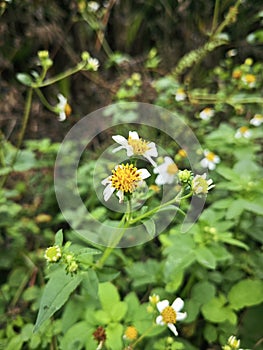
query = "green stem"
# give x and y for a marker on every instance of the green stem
(44, 101)
(22, 131)
(153, 211)
(143, 336)
(215, 16)
(60, 76)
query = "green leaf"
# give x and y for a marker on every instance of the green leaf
(24, 79)
(210, 333)
(114, 334)
(215, 311)
(203, 292)
(90, 283)
(150, 227)
(205, 257)
(118, 311)
(235, 209)
(102, 317)
(108, 295)
(76, 337)
(15, 343)
(56, 293)
(25, 161)
(246, 293)
(59, 238)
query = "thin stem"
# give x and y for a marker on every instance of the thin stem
(215, 16)
(22, 131)
(153, 211)
(45, 101)
(143, 335)
(60, 76)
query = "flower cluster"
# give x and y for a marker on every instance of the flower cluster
(125, 179)
(55, 254)
(232, 344)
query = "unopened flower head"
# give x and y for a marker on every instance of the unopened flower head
(243, 132)
(93, 6)
(93, 64)
(154, 299)
(232, 344)
(136, 146)
(207, 113)
(185, 176)
(182, 153)
(257, 120)
(125, 179)
(169, 315)
(64, 109)
(166, 172)
(130, 333)
(180, 95)
(200, 185)
(210, 160)
(53, 254)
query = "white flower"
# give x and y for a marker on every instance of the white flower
(93, 64)
(243, 132)
(166, 172)
(200, 185)
(63, 107)
(207, 113)
(136, 146)
(170, 314)
(93, 6)
(180, 95)
(257, 120)
(125, 179)
(210, 160)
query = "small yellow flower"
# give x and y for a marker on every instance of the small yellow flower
(207, 113)
(243, 132)
(169, 315)
(249, 79)
(200, 185)
(41, 218)
(180, 95)
(125, 179)
(236, 74)
(155, 188)
(257, 120)
(210, 160)
(53, 254)
(64, 109)
(130, 333)
(248, 62)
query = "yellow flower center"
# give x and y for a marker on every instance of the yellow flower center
(139, 146)
(131, 333)
(236, 74)
(210, 156)
(125, 178)
(182, 153)
(243, 129)
(169, 315)
(172, 169)
(250, 78)
(67, 110)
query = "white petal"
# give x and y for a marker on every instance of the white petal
(134, 135)
(173, 329)
(129, 151)
(152, 150)
(211, 166)
(204, 162)
(168, 160)
(178, 304)
(150, 160)
(62, 99)
(144, 173)
(180, 316)
(62, 116)
(216, 159)
(108, 191)
(120, 139)
(118, 149)
(162, 305)
(159, 320)
(120, 195)
(106, 181)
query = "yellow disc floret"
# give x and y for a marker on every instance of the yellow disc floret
(172, 169)
(210, 156)
(169, 315)
(125, 178)
(131, 333)
(139, 146)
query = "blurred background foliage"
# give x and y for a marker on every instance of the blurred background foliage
(139, 45)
